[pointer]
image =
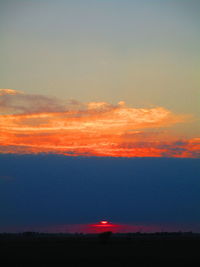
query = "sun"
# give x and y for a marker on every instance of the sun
(104, 222)
(104, 226)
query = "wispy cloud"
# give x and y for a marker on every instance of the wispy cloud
(17, 102)
(36, 123)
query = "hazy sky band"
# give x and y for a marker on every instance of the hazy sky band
(142, 52)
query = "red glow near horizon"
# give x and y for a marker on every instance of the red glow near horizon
(97, 229)
(103, 226)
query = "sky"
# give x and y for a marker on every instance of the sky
(54, 193)
(103, 80)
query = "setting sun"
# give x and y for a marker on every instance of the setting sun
(104, 222)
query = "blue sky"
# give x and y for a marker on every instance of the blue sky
(48, 190)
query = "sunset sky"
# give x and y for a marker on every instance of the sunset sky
(104, 80)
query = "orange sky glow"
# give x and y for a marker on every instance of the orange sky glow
(39, 124)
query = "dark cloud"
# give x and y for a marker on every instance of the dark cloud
(27, 103)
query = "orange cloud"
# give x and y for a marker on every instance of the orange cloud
(9, 92)
(36, 124)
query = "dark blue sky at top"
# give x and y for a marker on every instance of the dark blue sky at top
(52, 189)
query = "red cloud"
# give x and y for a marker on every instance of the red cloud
(35, 124)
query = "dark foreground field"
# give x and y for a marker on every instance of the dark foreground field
(30, 249)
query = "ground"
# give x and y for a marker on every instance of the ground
(32, 249)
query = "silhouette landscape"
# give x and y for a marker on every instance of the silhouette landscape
(106, 248)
